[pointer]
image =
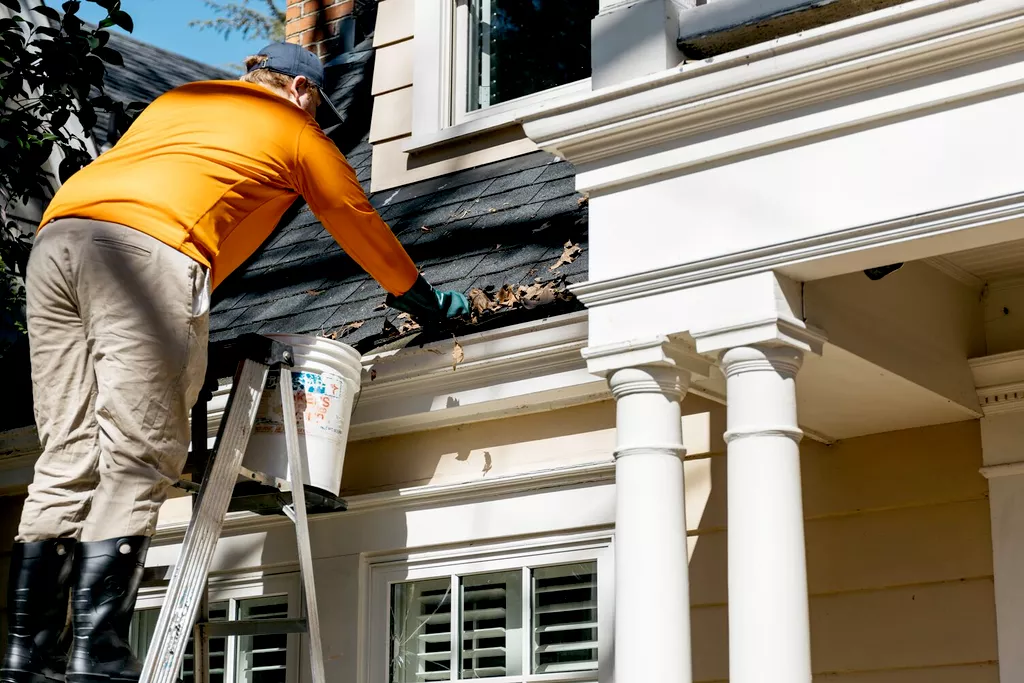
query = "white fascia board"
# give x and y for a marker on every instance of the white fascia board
(514, 370)
(597, 132)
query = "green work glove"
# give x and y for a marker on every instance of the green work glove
(428, 305)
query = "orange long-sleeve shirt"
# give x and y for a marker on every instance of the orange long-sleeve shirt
(209, 168)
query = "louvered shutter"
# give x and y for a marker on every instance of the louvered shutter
(421, 628)
(565, 618)
(491, 625)
(263, 659)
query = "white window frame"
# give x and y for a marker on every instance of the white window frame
(384, 572)
(233, 590)
(440, 81)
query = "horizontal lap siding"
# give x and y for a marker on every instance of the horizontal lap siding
(899, 561)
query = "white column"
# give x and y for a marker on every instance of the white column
(652, 600)
(769, 625)
(1002, 440)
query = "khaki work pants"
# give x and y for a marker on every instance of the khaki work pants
(118, 325)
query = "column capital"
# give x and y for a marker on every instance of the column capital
(782, 331)
(658, 351)
(785, 360)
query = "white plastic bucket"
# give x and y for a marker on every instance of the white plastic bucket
(325, 383)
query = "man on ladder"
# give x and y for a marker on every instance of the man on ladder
(118, 288)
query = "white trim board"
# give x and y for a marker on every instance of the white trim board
(864, 53)
(590, 474)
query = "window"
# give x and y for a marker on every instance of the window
(525, 618)
(515, 48)
(478, 61)
(252, 659)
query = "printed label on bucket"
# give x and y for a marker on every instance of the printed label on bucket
(319, 405)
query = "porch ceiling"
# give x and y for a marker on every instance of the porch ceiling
(841, 395)
(984, 264)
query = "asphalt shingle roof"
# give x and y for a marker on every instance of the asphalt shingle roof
(504, 223)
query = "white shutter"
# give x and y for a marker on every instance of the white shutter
(263, 659)
(491, 625)
(421, 631)
(565, 618)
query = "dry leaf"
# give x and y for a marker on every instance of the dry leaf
(569, 254)
(381, 307)
(584, 199)
(457, 355)
(407, 324)
(480, 301)
(425, 229)
(351, 327)
(507, 296)
(538, 294)
(314, 292)
(373, 374)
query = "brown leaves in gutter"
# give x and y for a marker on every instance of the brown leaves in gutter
(406, 323)
(570, 252)
(511, 297)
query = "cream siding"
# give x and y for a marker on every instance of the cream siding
(898, 541)
(391, 124)
(395, 19)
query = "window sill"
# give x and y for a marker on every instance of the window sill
(424, 142)
(484, 122)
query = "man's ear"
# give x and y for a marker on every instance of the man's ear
(301, 84)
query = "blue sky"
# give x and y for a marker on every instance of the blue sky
(164, 23)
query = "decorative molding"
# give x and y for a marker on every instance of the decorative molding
(1010, 469)
(590, 474)
(657, 351)
(785, 254)
(778, 331)
(836, 61)
(1000, 382)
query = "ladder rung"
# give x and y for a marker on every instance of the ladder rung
(255, 627)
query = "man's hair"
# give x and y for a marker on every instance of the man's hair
(271, 79)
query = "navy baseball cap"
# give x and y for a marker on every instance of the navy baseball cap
(294, 60)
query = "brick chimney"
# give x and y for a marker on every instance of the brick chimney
(316, 24)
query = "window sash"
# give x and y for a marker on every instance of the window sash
(384, 575)
(463, 59)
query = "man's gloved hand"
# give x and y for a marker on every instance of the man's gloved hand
(428, 305)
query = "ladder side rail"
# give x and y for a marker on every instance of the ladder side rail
(188, 580)
(297, 471)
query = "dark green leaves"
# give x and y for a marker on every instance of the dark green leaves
(109, 55)
(52, 70)
(118, 18)
(47, 12)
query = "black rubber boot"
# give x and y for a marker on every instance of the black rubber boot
(109, 573)
(37, 603)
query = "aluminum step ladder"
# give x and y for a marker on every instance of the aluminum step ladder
(185, 610)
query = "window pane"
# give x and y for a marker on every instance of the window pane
(263, 659)
(520, 47)
(492, 609)
(565, 618)
(421, 631)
